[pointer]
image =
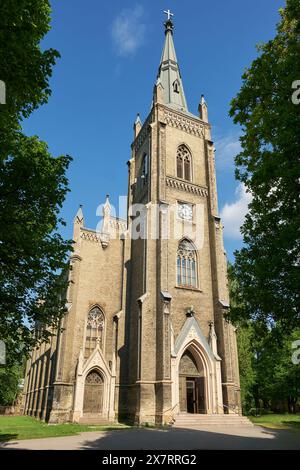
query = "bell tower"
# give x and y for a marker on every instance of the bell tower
(145, 336)
(182, 354)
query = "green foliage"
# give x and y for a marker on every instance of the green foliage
(268, 266)
(33, 185)
(25, 427)
(24, 67)
(247, 373)
(32, 252)
(244, 342)
(9, 384)
(277, 378)
(278, 421)
(269, 378)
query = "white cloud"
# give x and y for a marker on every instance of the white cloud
(128, 31)
(226, 149)
(233, 214)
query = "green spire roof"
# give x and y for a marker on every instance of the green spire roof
(169, 73)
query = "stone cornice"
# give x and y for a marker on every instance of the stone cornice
(90, 236)
(184, 122)
(181, 185)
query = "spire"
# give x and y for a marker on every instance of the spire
(105, 229)
(79, 216)
(202, 108)
(106, 207)
(78, 223)
(137, 125)
(168, 73)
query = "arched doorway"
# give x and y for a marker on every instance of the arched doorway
(93, 393)
(192, 397)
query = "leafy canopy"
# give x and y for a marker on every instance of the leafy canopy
(24, 67)
(268, 266)
(33, 185)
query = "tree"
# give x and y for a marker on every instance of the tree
(245, 334)
(24, 67)
(33, 185)
(267, 266)
(269, 378)
(277, 377)
(247, 372)
(9, 384)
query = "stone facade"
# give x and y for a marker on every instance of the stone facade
(151, 321)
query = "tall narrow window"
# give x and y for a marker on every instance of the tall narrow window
(184, 162)
(144, 169)
(94, 331)
(179, 167)
(176, 86)
(186, 264)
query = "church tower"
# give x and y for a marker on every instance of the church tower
(145, 335)
(182, 353)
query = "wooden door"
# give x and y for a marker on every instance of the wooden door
(200, 391)
(93, 393)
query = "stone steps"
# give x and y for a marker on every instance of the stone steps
(197, 421)
(93, 420)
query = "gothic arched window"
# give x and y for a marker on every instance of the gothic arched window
(184, 163)
(186, 264)
(94, 331)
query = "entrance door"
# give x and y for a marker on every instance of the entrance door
(191, 396)
(93, 393)
(192, 390)
(195, 395)
(200, 395)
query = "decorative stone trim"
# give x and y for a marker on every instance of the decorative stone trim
(191, 337)
(183, 123)
(185, 186)
(118, 224)
(143, 133)
(90, 236)
(75, 257)
(104, 238)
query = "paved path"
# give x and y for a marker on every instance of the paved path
(220, 437)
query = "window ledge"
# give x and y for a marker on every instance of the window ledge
(196, 289)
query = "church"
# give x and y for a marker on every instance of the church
(145, 337)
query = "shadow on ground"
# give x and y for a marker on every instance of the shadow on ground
(8, 437)
(169, 439)
(182, 439)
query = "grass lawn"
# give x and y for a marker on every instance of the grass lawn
(25, 427)
(277, 421)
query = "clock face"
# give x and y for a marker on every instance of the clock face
(185, 211)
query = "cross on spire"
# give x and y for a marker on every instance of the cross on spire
(168, 73)
(169, 14)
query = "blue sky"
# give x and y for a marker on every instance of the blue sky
(110, 53)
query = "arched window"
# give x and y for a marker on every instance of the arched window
(94, 331)
(186, 264)
(184, 163)
(176, 86)
(144, 169)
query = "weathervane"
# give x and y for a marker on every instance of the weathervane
(169, 14)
